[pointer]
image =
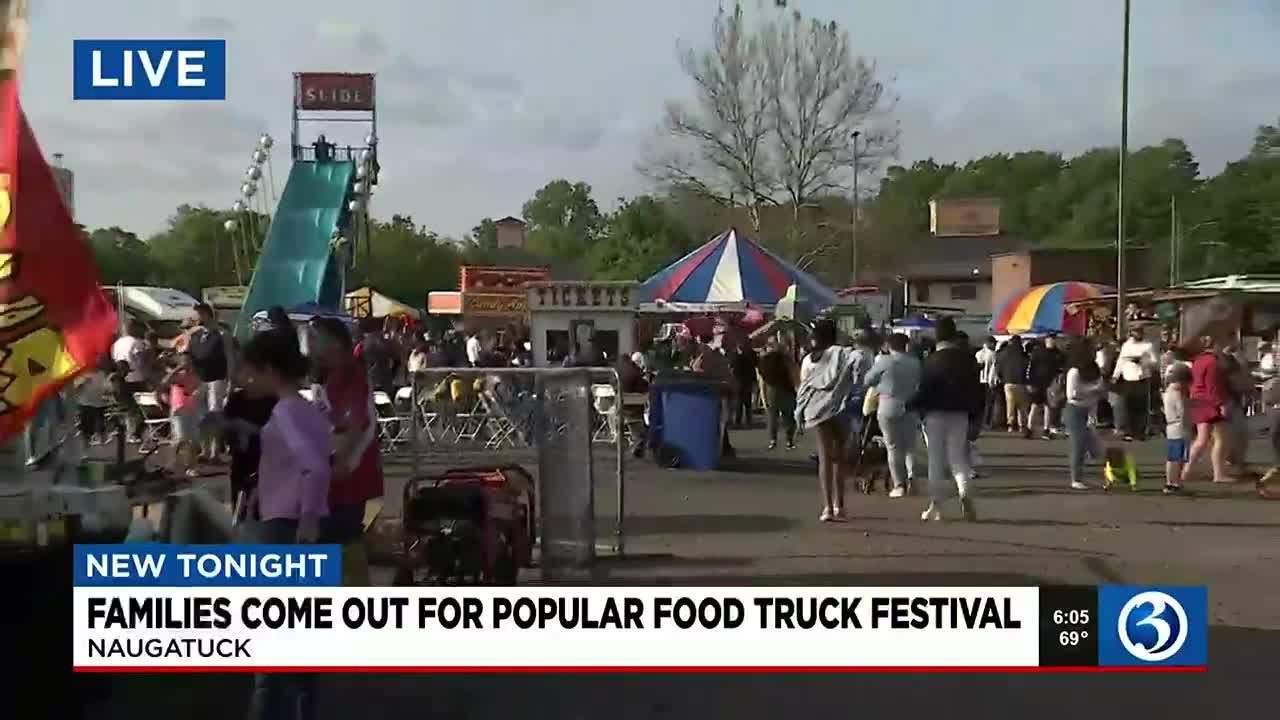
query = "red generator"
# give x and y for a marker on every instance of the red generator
(467, 525)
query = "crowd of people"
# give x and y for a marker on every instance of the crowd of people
(945, 393)
(902, 393)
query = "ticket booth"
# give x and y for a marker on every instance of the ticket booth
(564, 315)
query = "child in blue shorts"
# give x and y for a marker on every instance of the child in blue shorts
(1177, 426)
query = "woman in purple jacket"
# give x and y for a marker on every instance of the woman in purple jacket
(293, 488)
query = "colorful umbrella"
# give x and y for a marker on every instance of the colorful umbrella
(1045, 309)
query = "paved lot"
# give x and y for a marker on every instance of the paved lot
(756, 523)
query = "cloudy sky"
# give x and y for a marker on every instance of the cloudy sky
(482, 102)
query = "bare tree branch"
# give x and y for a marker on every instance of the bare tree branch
(727, 130)
(820, 95)
(805, 260)
(775, 109)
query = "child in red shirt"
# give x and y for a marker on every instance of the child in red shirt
(184, 414)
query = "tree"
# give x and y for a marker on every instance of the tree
(485, 235)
(819, 94)
(407, 261)
(122, 257)
(720, 148)
(196, 251)
(1007, 177)
(1235, 226)
(1227, 223)
(563, 219)
(899, 212)
(640, 238)
(775, 112)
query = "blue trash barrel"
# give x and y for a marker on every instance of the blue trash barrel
(690, 422)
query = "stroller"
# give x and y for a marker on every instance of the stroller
(868, 456)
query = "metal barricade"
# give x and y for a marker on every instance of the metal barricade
(566, 483)
(548, 420)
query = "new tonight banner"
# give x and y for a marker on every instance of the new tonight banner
(157, 608)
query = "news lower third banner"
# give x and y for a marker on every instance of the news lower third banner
(264, 608)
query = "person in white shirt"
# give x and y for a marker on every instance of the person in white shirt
(474, 350)
(131, 349)
(1136, 366)
(1085, 386)
(994, 391)
(419, 359)
(1267, 364)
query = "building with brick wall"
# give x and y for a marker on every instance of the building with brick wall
(1019, 269)
(950, 268)
(512, 232)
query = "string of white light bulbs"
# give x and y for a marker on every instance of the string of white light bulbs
(361, 190)
(247, 233)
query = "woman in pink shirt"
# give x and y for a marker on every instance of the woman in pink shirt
(293, 488)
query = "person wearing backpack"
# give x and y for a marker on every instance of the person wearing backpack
(209, 358)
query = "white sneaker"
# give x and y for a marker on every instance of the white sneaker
(1077, 485)
(825, 516)
(837, 514)
(897, 492)
(931, 514)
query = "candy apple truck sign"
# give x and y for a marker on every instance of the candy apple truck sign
(493, 304)
(334, 91)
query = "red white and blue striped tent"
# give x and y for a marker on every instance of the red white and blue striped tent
(731, 271)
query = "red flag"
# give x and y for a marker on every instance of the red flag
(55, 320)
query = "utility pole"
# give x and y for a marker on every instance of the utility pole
(857, 211)
(1173, 240)
(1121, 303)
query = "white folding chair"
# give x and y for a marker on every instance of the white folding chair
(470, 424)
(386, 419)
(155, 419)
(446, 419)
(434, 422)
(499, 429)
(604, 400)
(402, 408)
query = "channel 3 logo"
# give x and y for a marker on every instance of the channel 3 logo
(1153, 625)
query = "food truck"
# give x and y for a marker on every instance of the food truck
(226, 301)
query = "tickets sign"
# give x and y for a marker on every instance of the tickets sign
(334, 91)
